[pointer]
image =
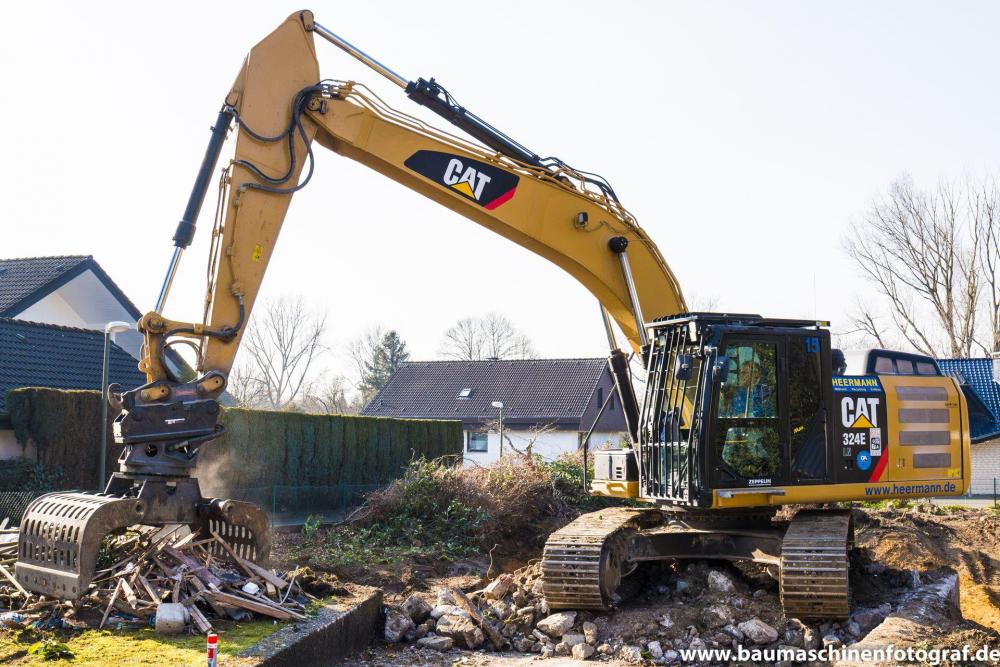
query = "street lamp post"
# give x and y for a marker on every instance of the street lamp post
(499, 405)
(109, 328)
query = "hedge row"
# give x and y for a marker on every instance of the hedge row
(296, 449)
(260, 448)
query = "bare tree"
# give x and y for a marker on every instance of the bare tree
(332, 397)
(244, 387)
(362, 348)
(489, 337)
(985, 207)
(699, 302)
(927, 255)
(529, 437)
(283, 340)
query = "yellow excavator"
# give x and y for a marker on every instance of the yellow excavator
(736, 414)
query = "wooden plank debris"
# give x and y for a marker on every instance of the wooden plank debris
(203, 572)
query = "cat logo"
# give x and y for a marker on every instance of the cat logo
(466, 180)
(860, 412)
(486, 184)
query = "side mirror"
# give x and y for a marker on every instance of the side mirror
(720, 368)
(684, 367)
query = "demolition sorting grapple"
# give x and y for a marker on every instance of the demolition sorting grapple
(61, 532)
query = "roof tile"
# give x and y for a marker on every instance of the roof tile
(978, 375)
(46, 355)
(22, 277)
(530, 389)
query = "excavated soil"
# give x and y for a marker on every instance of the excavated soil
(893, 547)
(928, 537)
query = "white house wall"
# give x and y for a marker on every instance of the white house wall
(84, 302)
(10, 449)
(547, 445)
(986, 467)
(53, 309)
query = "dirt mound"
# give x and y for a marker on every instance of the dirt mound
(928, 537)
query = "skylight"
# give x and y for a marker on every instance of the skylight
(465, 393)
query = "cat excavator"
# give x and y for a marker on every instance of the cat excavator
(732, 416)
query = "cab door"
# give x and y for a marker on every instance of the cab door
(747, 442)
(769, 411)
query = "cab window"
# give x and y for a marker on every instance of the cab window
(747, 426)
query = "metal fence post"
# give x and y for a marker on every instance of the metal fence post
(274, 502)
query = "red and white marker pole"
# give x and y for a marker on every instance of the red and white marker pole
(213, 649)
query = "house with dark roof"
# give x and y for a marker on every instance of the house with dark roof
(70, 291)
(34, 354)
(549, 404)
(980, 382)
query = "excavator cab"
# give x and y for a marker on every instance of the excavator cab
(733, 403)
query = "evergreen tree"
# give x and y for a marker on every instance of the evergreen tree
(384, 359)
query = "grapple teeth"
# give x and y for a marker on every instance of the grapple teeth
(61, 534)
(243, 526)
(60, 537)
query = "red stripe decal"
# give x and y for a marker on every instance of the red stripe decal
(501, 199)
(880, 466)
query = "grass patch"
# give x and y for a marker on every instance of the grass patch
(895, 504)
(135, 647)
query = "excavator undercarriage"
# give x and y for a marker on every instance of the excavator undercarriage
(585, 562)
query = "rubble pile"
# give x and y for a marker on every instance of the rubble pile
(696, 606)
(168, 578)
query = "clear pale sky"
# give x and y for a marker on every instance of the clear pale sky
(745, 136)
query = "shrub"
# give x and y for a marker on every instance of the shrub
(440, 510)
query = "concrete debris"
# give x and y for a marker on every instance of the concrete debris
(631, 655)
(499, 587)
(437, 643)
(416, 608)
(758, 631)
(397, 624)
(462, 630)
(589, 632)
(716, 616)
(720, 583)
(557, 624)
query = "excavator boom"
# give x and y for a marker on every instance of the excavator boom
(279, 107)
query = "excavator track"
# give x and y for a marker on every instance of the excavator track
(815, 566)
(582, 564)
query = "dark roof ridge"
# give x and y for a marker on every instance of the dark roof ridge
(490, 361)
(46, 325)
(21, 259)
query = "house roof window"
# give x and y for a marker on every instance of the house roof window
(465, 393)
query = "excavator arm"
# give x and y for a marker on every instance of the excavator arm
(280, 108)
(568, 217)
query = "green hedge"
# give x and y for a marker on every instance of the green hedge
(260, 448)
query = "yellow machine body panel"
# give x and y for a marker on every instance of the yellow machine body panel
(925, 450)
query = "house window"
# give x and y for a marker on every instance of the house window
(600, 396)
(465, 393)
(479, 442)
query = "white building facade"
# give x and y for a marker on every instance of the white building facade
(549, 405)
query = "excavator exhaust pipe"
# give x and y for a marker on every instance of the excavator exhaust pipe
(61, 532)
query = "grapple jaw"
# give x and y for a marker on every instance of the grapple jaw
(61, 533)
